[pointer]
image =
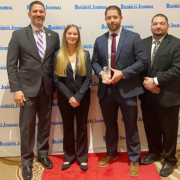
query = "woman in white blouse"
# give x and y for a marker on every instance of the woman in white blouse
(72, 77)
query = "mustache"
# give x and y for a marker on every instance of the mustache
(38, 17)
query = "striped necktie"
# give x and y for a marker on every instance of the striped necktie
(40, 44)
(154, 51)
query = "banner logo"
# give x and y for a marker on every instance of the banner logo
(175, 5)
(3, 48)
(9, 106)
(8, 28)
(88, 46)
(58, 27)
(95, 121)
(136, 6)
(10, 143)
(6, 8)
(172, 25)
(56, 123)
(89, 7)
(8, 125)
(103, 26)
(94, 84)
(60, 141)
(3, 68)
(49, 7)
(5, 87)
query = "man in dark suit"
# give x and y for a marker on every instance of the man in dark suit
(33, 49)
(123, 51)
(161, 100)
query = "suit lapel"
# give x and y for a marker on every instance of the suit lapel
(148, 50)
(48, 41)
(105, 42)
(122, 38)
(164, 42)
(30, 36)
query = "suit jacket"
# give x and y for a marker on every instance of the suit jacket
(80, 87)
(23, 50)
(166, 67)
(131, 59)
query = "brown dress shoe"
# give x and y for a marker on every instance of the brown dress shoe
(107, 160)
(134, 169)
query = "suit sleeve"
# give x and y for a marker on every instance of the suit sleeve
(60, 85)
(12, 62)
(86, 84)
(173, 73)
(141, 59)
(95, 58)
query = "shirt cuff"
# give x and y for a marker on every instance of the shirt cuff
(15, 92)
(156, 81)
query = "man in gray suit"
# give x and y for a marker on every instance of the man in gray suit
(33, 49)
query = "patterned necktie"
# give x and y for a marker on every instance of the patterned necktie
(113, 55)
(154, 51)
(40, 44)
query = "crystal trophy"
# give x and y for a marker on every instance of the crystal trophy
(106, 74)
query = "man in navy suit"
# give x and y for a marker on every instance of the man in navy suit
(123, 51)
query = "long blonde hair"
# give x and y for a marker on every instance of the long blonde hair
(62, 56)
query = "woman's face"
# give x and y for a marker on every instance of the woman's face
(72, 36)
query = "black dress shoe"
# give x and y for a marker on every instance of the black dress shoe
(46, 162)
(27, 172)
(66, 166)
(148, 159)
(166, 170)
(84, 167)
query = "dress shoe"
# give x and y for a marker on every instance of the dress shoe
(107, 160)
(84, 166)
(46, 162)
(148, 159)
(166, 170)
(134, 169)
(27, 172)
(66, 165)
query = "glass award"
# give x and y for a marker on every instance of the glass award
(106, 74)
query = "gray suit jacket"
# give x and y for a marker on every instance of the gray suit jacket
(23, 50)
(131, 59)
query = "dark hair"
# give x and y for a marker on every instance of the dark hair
(35, 2)
(160, 15)
(113, 8)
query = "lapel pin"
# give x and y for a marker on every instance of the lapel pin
(49, 34)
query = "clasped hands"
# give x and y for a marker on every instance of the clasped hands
(73, 102)
(149, 85)
(118, 75)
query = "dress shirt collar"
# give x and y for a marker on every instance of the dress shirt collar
(160, 40)
(118, 32)
(35, 29)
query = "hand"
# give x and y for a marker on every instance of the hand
(149, 85)
(118, 75)
(55, 95)
(73, 102)
(19, 98)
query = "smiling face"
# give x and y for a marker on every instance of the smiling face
(72, 36)
(113, 20)
(159, 27)
(37, 15)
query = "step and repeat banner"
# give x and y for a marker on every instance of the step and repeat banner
(89, 17)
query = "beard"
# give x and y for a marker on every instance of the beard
(38, 22)
(115, 28)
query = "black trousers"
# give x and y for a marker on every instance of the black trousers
(110, 103)
(68, 114)
(161, 127)
(42, 106)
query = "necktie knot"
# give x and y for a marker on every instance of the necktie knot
(157, 43)
(39, 31)
(114, 35)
